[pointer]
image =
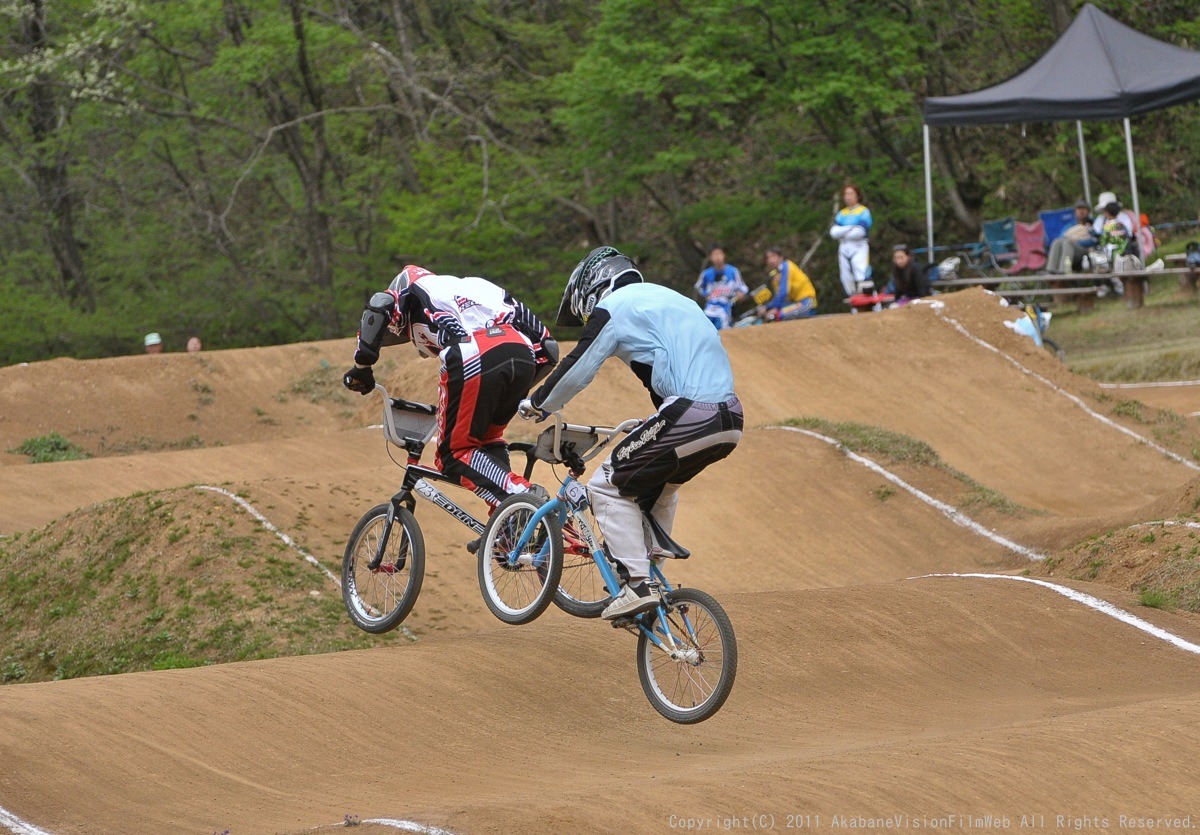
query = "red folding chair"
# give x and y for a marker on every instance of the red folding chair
(1031, 247)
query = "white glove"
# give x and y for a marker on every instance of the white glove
(529, 411)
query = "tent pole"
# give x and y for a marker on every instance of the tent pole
(1137, 212)
(1087, 186)
(928, 200)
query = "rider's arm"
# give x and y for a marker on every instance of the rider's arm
(527, 322)
(596, 344)
(381, 311)
(781, 294)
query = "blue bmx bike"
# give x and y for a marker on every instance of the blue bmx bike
(686, 650)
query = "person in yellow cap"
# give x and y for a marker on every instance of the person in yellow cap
(154, 344)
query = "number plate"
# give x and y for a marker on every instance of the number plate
(576, 494)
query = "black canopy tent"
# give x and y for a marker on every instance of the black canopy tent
(1097, 69)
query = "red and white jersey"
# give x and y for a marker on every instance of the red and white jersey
(451, 310)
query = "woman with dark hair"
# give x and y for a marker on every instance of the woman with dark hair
(851, 227)
(909, 279)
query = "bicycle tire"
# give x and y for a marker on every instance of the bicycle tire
(518, 594)
(710, 633)
(581, 591)
(1052, 346)
(378, 601)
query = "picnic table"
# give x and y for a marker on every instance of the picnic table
(1051, 285)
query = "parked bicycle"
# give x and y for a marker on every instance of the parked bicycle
(687, 650)
(384, 563)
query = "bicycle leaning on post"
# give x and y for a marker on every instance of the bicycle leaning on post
(687, 650)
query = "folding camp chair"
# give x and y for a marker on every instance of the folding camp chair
(1056, 222)
(1000, 238)
(1031, 251)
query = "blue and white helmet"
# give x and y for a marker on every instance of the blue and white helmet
(594, 278)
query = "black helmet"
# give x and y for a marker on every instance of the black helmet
(594, 278)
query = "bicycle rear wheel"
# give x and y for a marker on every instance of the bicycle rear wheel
(688, 683)
(581, 591)
(377, 601)
(518, 591)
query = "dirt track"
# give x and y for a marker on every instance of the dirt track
(860, 692)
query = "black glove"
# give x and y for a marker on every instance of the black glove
(360, 378)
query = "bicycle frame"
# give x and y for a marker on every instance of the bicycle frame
(417, 478)
(572, 500)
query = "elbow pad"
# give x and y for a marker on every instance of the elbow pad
(376, 318)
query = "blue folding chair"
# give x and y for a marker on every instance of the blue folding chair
(1000, 236)
(1056, 222)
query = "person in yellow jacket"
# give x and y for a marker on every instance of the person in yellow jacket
(794, 295)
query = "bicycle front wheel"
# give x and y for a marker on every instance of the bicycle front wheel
(378, 600)
(690, 676)
(581, 592)
(519, 589)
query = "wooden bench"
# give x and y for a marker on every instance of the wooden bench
(1134, 281)
(1188, 280)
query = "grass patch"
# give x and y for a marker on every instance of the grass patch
(872, 440)
(158, 581)
(51, 447)
(1158, 342)
(896, 448)
(322, 384)
(1154, 599)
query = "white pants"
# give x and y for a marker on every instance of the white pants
(855, 262)
(625, 528)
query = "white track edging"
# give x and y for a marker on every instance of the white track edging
(1077, 401)
(1155, 385)
(17, 826)
(1102, 606)
(949, 511)
(409, 826)
(287, 540)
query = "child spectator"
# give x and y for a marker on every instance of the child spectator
(721, 286)
(909, 280)
(794, 294)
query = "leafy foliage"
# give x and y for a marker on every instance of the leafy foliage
(251, 170)
(52, 447)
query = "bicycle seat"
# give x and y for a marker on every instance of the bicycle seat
(411, 406)
(668, 546)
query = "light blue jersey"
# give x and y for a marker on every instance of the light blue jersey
(661, 335)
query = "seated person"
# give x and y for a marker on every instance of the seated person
(794, 295)
(1073, 244)
(720, 286)
(1115, 229)
(909, 280)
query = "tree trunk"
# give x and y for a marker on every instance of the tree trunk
(51, 172)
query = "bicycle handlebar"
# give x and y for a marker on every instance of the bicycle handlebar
(607, 433)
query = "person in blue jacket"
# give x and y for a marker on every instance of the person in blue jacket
(851, 229)
(674, 350)
(721, 286)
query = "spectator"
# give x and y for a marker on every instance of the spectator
(910, 280)
(851, 226)
(720, 286)
(1073, 244)
(154, 343)
(193, 345)
(794, 295)
(1115, 228)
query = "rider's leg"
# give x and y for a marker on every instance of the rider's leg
(637, 474)
(475, 409)
(846, 266)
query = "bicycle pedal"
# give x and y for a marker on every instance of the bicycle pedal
(629, 623)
